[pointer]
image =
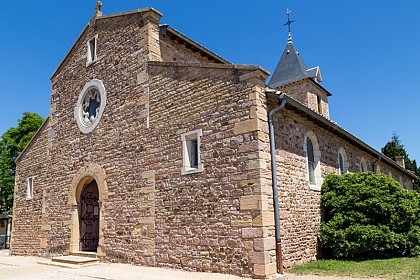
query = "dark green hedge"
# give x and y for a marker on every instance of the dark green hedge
(368, 216)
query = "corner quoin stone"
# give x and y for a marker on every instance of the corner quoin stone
(246, 126)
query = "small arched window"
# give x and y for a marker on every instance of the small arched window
(377, 168)
(313, 156)
(363, 165)
(343, 165)
(340, 163)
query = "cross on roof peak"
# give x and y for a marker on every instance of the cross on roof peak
(289, 22)
(98, 8)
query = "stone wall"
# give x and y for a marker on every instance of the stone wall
(174, 51)
(124, 44)
(30, 223)
(216, 220)
(300, 205)
(306, 92)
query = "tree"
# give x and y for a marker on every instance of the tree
(395, 148)
(368, 216)
(12, 143)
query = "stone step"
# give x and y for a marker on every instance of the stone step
(74, 259)
(66, 265)
(84, 254)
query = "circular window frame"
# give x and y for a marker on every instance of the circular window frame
(78, 110)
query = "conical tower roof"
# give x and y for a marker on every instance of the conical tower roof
(290, 67)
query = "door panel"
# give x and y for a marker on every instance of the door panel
(89, 218)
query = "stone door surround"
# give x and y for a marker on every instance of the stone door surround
(84, 176)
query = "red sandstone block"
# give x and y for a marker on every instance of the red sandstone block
(259, 257)
(264, 244)
(252, 232)
(263, 270)
(248, 245)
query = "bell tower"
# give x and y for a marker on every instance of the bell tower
(294, 78)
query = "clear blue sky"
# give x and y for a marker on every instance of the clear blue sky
(368, 51)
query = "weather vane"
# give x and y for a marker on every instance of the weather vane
(289, 22)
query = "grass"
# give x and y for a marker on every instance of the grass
(398, 269)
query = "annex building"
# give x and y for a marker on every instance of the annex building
(156, 152)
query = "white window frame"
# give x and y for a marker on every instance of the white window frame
(317, 161)
(78, 109)
(186, 139)
(30, 187)
(91, 59)
(346, 164)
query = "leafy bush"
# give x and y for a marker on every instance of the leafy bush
(368, 216)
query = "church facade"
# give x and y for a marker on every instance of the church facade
(157, 152)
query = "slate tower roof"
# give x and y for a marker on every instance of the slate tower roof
(291, 68)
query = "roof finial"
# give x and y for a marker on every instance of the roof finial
(288, 23)
(98, 6)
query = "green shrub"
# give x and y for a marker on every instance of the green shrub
(368, 216)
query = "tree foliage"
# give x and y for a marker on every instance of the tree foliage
(368, 216)
(395, 148)
(12, 143)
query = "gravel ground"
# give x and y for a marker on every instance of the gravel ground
(27, 268)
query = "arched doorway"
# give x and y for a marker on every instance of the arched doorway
(89, 217)
(91, 173)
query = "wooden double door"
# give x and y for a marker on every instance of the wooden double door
(89, 217)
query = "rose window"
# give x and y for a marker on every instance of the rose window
(90, 106)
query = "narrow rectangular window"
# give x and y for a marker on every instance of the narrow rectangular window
(92, 45)
(311, 161)
(191, 162)
(319, 101)
(340, 164)
(193, 152)
(91, 50)
(30, 188)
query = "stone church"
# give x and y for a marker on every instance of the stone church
(156, 152)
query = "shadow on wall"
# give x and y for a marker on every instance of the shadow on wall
(319, 252)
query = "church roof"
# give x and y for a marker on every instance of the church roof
(291, 68)
(166, 29)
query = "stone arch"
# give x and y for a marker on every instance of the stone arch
(342, 162)
(84, 176)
